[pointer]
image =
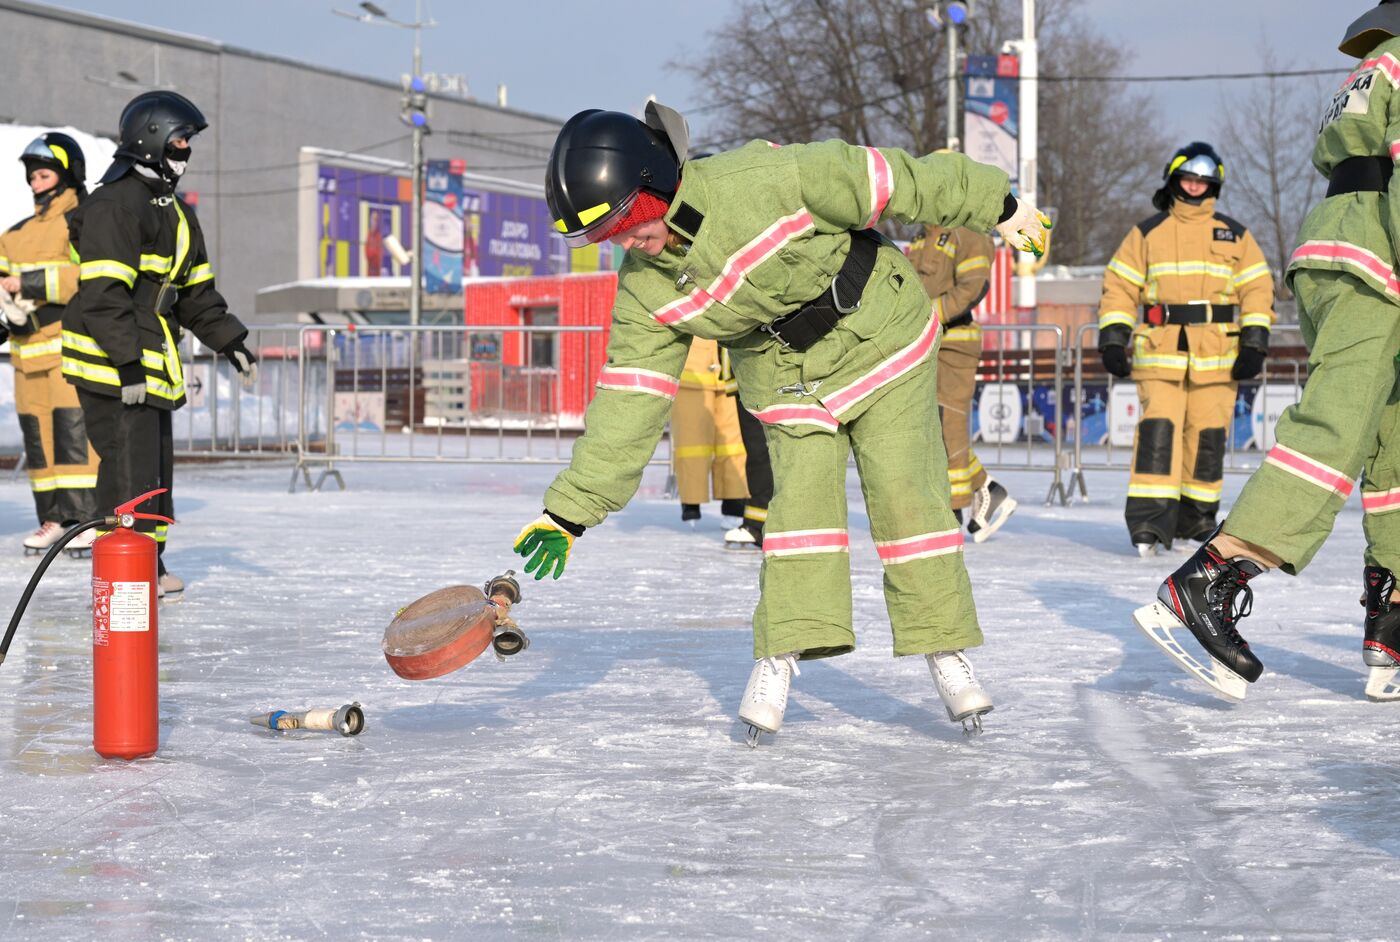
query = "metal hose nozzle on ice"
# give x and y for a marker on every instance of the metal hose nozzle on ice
(349, 720)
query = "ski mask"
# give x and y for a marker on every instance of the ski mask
(176, 159)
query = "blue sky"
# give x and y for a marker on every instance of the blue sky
(559, 57)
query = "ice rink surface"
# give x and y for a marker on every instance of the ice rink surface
(597, 786)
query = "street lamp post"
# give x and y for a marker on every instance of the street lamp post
(416, 117)
(1028, 49)
(952, 14)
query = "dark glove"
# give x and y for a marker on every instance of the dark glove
(243, 361)
(1248, 363)
(132, 377)
(1115, 360)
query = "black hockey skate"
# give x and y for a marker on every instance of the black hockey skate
(1381, 649)
(1208, 595)
(991, 507)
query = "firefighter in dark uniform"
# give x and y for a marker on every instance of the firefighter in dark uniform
(144, 277)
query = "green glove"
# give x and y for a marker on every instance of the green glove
(547, 545)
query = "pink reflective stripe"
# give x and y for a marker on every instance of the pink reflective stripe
(891, 369)
(1355, 256)
(881, 184)
(1381, 501)
(1309, 470)
(647, 381)
(773, 144)
(739, 265)
(1386, 63)
(919, 547)
(1395, 150)
(805, 541)
(797, 415)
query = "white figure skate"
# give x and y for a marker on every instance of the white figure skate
(963, 697)
(765, 698)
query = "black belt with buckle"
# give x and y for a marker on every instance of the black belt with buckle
(1360, 175)
(818, 317)
(1196, 312)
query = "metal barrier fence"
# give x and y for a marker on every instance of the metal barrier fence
(328, 395)
(417, 394)
(1287, 362)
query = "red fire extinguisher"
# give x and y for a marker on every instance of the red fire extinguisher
(126, 714)
(125, 690)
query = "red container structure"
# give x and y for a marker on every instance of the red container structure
(542, 375)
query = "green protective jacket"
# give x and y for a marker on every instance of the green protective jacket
(1354, 232)
(767, 228)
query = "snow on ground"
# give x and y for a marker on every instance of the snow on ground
(597, 786)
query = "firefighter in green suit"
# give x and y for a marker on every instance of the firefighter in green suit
(770, 251)
(1347, 425)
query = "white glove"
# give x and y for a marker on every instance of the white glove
(17, 310)
(1027, 230)
(134, 395)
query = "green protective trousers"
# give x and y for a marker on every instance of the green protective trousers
(1347, 420)
(805, 604)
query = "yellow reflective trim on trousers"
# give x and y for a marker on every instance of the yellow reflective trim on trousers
(704, 379)
(976, 466)
(42, 348)
(730, 450)
(960, 489)
(1151, 491)
(962, 333)
(962, 474)
(199, 274)
(1213, 363)
(1165, 360)
(1208, 493)
(1127, 272)
(1109, 318)
(158, 264)
(107, 268)
(1181, 269)
(976, 261)
(759, 514)
(62, 482)
(1256, 319)
(696, 451)
(4, 266)
(1246, 275)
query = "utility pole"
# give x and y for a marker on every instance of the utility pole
(415, 291)
(953, 142)
(1030, 99)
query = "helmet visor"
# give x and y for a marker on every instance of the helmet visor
(597, 222)
(1201, 166)
(39, 149)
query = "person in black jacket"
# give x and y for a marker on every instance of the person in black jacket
(144, 277)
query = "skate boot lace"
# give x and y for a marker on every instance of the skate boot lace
(1231, 599)
(45, 528)
(955, 670)
(772, 669)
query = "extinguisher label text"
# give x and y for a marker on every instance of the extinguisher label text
(101, 611)
(131, 606)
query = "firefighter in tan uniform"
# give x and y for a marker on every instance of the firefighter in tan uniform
(1190, 290)
(955, 266)
(37, 277)
(705, 437)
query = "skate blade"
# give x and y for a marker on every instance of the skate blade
(1146, 550)
(1003, 514)
(80, 554)
(972, 723)
(740, 547)
(751, 737)
(1381, 686)
(1158, 623)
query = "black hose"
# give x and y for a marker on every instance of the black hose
(49, 557)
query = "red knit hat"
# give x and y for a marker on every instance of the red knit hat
(645, 208)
